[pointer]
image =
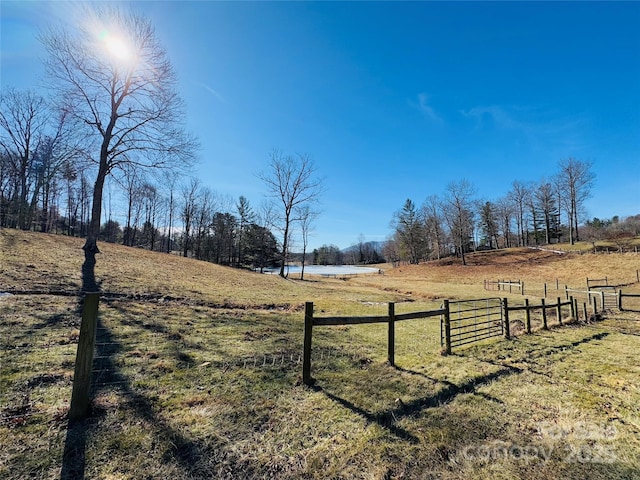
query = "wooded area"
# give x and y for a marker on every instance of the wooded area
(530, 214)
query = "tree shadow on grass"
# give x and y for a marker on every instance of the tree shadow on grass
(191, 456)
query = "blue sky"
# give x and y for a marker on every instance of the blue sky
(392, 100)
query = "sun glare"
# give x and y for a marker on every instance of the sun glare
(116, 47)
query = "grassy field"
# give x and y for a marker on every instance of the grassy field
(197, 373)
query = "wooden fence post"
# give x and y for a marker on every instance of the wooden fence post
(505, 307)
(545, 290)
(595, 305)
(602, 300)
(447, 328)
(308, 333)
(392, 335)
(80, 396)
(522, 288)
(544, 316)
(620, 299)
(527, 318)
(573, 308)
(584, 308)
(559, 311)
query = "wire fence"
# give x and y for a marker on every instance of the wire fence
(553, 288)
(37, 354)
(145, 344)
(139, 348)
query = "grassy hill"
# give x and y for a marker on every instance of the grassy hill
(197, 373)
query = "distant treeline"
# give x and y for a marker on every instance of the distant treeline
(44, 186)
(531, 213)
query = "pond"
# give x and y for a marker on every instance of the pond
(326, 270)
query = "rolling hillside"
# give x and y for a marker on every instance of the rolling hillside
(197, 374)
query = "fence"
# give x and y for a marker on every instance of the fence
(37, 353)
(310, 321)
(504, 285)
(543, 307)
(635, 304)
(607, 284)
(607, 295)
(136, 348)
(472, 321)
(461, 322)
(140, 345)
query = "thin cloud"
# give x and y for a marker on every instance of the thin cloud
(427, 110)
(499, 116)
(540, 127)
(212, 91)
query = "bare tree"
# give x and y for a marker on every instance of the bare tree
(391, 250)
(23, 118)
(291, 180)
(458, 212)
(306, 217)
(519, 195)
(190, 196)
(432, 213)
(120, 85)
(7, 186)
(545, 201)
(504, 211)
(574, 181)
(132, 184)
(203, 221)
(170, 180)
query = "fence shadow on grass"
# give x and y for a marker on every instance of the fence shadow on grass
(446, 394)
(388, 419)
(75, 445)
(385, 419)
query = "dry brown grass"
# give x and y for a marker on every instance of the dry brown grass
(186, 389)
(448, 278)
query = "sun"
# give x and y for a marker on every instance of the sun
(117, 47)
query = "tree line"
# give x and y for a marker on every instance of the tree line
(45, 172)
(115, 120)
(45, 186)
(530, 214)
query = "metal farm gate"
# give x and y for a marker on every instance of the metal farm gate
(473, 320)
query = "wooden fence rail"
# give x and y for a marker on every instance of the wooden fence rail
(602, 295)
(627, 295)
(543, 307)
(504, 285)
(310, 321)
(445, 315)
